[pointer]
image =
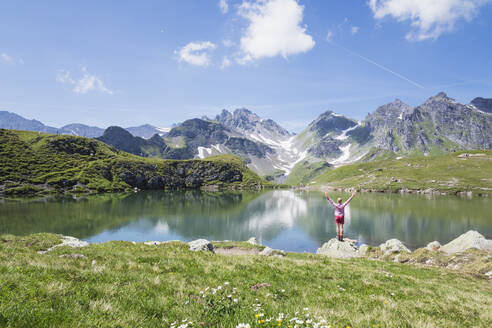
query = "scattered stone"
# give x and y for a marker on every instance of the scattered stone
(433, 246)
(396, 259)
(201, 245)
(67, 241)
(94, 262)
(156, 243)
(470, 239)
(489, 274)
(339, 249)
(393, 246)
(472, 155)
(253, 241)
(267, 251)
(260, 285)
(74, 256)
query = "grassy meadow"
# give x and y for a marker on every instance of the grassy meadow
(445, 172)
(121, 284)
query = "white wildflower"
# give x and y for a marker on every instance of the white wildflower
(243, 325)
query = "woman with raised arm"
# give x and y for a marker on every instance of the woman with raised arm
(339, 213)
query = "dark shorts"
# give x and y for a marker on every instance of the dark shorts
(339, 219)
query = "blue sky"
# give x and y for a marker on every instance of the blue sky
(159, 62)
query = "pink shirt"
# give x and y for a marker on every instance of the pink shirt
(340, 208)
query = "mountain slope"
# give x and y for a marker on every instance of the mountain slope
(439, 125)
(13, 121)
(38, 163)
(82, 130)
(147, 131)
(451, 173)
(483, 104)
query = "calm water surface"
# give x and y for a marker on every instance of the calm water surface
(285, 219)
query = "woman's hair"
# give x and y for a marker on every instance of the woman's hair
(339, 200)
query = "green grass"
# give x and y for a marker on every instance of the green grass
(304, 172)
(236, 244)
(120, 284)
(37, 163)
(446, 173)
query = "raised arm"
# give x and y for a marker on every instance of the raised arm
(329, 199)
(348, 200)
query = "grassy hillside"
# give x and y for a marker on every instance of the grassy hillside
(304, 172)
(447, 173)
(33, 163)
(120, 284)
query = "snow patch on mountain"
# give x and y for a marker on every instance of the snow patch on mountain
(204, 152)
(344, 135)
(345, 155)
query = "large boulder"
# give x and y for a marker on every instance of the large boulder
(470, 239)
(67, 241)
(339, 249)
(433, 246)
(267, 251)
(393, 246)
(363, 249)
(253, 241)
(201, 245)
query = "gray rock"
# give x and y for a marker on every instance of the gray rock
(253, 241)
(73, 242)
(363, 249)
(339, 249)
(201, 245)
(433, 246)
(470, 239)
(393, 246)
(267, 251)
(489, 274)
(67, 241)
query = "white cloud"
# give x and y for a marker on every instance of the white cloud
(429, 19)
(224, 6)
(196, 53)
(228, 43)
(226, 62)
(63, 76)
(354, 30)
(329, 35)
(274, 29)
(85, 84)
(6, 58)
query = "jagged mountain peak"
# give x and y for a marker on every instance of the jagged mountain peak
(330, 121)
(243, 119)
(244, 112)
(441, 96)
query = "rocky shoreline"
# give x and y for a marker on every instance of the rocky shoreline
(471, 252)
(428, 191)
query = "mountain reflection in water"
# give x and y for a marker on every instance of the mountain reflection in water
(285, 219)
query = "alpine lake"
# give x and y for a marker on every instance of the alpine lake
(291, 220)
